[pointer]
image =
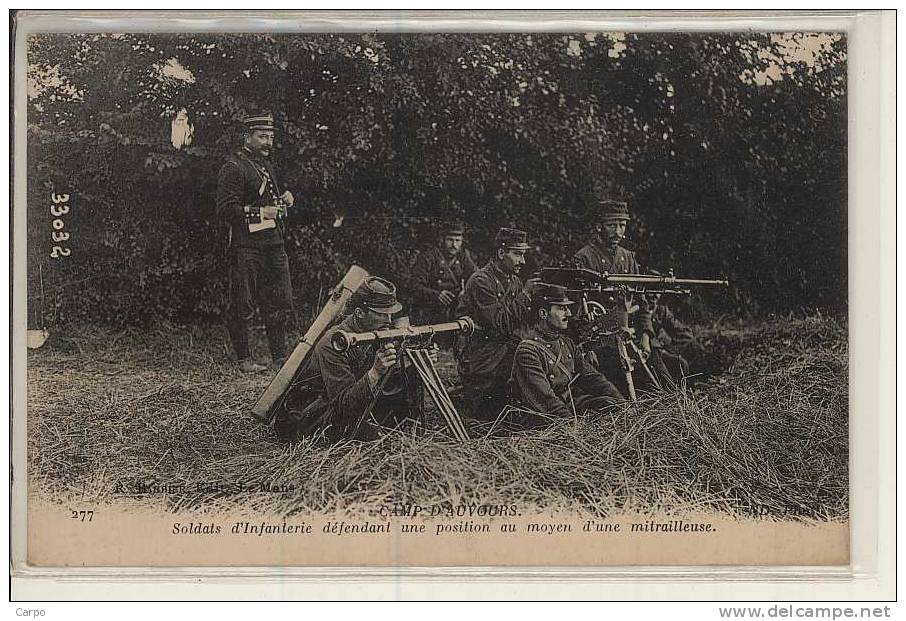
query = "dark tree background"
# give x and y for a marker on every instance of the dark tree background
(731, 149)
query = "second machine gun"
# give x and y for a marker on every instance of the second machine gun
(598, 292)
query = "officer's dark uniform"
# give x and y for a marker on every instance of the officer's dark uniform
(432, 272)
(259, 268)
(500, 308)
(597, 257)
(550, 375)
(333, 396)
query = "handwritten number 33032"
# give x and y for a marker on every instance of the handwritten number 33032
(58, 210)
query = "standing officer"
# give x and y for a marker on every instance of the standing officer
(605, 254)
(251, 200)
(550, 374)
(499, 303)
(439, 275)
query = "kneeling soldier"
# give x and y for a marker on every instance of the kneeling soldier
(438, 276)
(550, 375)
(499, 302)
(352, 394)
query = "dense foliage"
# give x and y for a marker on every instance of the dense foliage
(731, 149)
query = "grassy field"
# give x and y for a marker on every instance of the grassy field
(109, 412)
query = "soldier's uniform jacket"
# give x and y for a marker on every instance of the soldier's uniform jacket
(544, 365)
(621, 261)
(498, 305)
(246, 181)
(344, 377)
(432, 273)
(548, 367)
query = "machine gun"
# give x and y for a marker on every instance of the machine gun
(405, 334)
(582, 280)
(414, 342)
(597, 291)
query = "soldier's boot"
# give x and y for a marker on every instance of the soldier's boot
(276, 340)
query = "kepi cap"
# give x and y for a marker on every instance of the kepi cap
(612, 211)
(379, 295)
(262, 121)
(546, 293)
(453, 228)
(512, 238)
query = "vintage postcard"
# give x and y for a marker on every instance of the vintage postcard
(449, 298)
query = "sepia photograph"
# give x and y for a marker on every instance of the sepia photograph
(437, 298)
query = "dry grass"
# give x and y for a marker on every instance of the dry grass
(109, 412)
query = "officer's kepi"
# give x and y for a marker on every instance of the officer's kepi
(545, 294)
(259, 122)
(513, 239)
(453, 228)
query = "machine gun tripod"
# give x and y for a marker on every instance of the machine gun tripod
(591, 316)
(414, 343)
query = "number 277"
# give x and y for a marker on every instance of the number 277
(82, 516)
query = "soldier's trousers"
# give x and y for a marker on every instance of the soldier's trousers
(259, 276)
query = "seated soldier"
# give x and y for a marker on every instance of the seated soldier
(496, 298)
(438, 276)
(354, 393)
(550, 375)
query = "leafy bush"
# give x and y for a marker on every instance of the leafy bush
(731, 149)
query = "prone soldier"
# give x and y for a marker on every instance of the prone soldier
(352, 394)
(499, 303)
(551, 377)
(438, 276)
(250, 199)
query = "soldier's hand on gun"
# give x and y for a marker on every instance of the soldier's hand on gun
(287, 198)
(446, 297)
(530, 285)
(433, 351)
(385, 359)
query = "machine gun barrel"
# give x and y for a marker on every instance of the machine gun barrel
(582, 279)
(343, 340)
(642, 280)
